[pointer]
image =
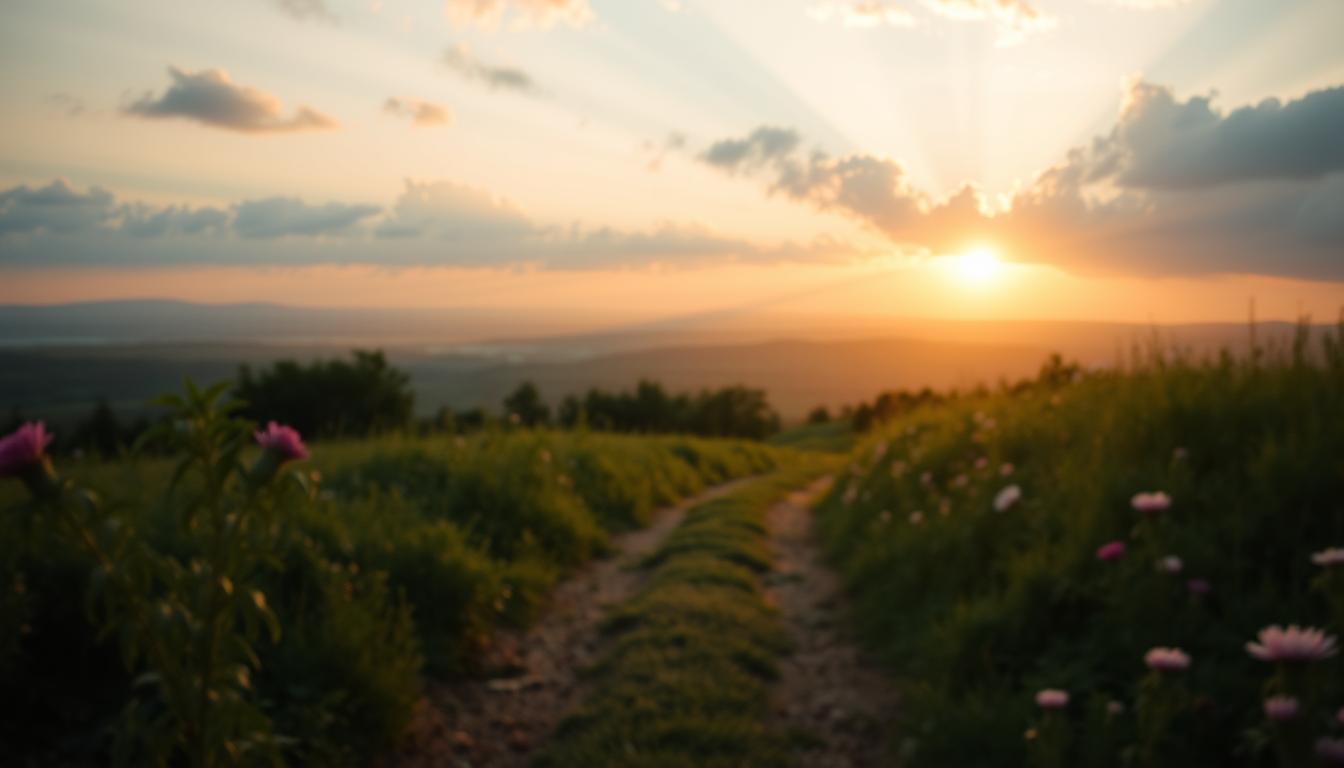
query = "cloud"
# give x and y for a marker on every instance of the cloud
(305, 10)
(1016, 18)
(1176, 188)
(862, 13)
(56, 207)
(419, 112)
(290, 216)
(211, 98)
(1162, 142)
(541, 13)
(460, 60)
(429, 224)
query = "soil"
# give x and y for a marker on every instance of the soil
(503, 719)
(833, 700)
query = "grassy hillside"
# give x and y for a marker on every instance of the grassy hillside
(1041, 541)
(364, 569)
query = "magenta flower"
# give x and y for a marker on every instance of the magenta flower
(1281, 709)
(1199, 587)
(1150, 503)
(1052, 698)
(1331, 751)
(1113, 550)
(1006, 498)
(23, 448)
(1167, 659)
(1329, 558)
(283, 441)
(1294, 644)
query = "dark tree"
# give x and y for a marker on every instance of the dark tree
(819, 415)
(329, 398)
(526, 406)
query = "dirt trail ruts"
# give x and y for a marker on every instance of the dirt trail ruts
(828, 688)
(503, 720)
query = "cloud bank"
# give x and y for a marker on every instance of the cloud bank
(429, 224)
(210, 97)
(1177, 187)
(421, 113)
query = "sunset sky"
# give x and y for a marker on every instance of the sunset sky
(1138, 160)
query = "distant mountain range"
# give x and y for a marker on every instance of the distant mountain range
(57, 360)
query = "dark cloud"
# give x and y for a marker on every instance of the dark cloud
(764, 146)
(142, 220)
(461, 60)
(1176, 188)
(209, 97)
(56, 207)
(1161, 142)
(290, 216)
(420, 112)
(306, 10)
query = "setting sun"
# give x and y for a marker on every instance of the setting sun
(979, 266)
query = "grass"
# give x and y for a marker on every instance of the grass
(975, 610)
(686, 680)
(398, 561)
(835, 436)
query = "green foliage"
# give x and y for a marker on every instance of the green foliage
(329, 398)
(687, 679)
(728, 412)
(977, 609)
(383, 561)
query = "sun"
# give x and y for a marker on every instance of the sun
(978, 266)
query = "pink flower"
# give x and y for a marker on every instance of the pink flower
(981, 463)
(1294, 644)
(916, 518)
(1115, 708)
(23, 448)
(1199, 586)
(1005, 469)
(1006, 498)
(1281, 709)
(1328, 558)
(1113, 550)
(1330, 750)
(1150, 503)
(1167, 659)
(1052, 698)
(1170, 564)
(1339, 716)
(282, 440)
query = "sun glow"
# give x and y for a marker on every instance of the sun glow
(978, 266)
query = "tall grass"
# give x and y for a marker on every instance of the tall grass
(387, 560)
(976, 609)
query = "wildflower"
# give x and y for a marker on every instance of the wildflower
(885, 517)
(283, 441)
(916, 518)
(1180, 454)
(851, 493)
(1198, 587)
(897, 468)
(1150, 502)
(1030, 734)
(1006, 498)
(1330, 750)
(1294, 644)
(1339, 716)
(1170, 564)
(1052, 698)
(23, 449)
(1112, 550)
(981, 463)
(1281, 709)
(1167, 659)
(1329, 558)
(961, 481)
(944, 507)
(926, 477)
(1115, 708)
(1006, 469)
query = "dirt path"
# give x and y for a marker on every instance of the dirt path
(501, 721)
(827, 687)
